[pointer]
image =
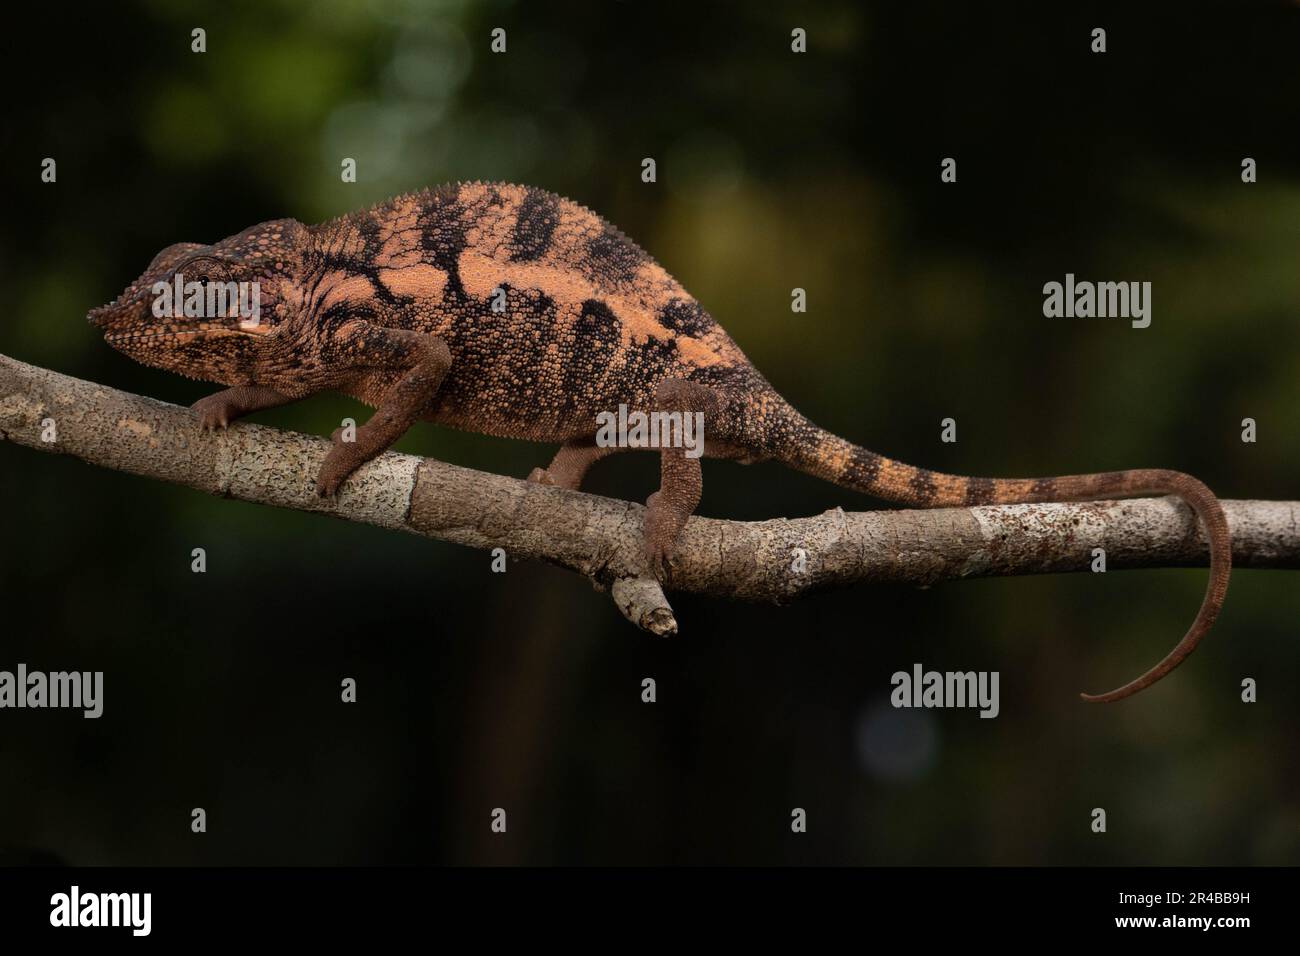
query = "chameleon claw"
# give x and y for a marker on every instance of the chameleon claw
(328, 480)
(661, 533)
(660, 561)
(540, 476)
(339, 464)
(660, 537)
(212, 415)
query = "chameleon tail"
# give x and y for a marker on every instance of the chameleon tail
(807, 448)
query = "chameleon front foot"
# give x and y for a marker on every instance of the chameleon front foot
(344, 458)
(213, 411)
(219, 410)
(540, 476)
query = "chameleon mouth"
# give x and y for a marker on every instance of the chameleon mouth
(207, 328)
(254, 327)
(129, 318)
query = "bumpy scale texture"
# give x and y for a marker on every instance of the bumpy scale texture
(510, 311)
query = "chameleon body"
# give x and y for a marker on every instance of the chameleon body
(394, 306)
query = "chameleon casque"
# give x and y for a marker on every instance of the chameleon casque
(391, 305)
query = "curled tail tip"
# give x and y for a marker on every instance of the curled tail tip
(1128, 690)
(1156, 674)
(1109, 698)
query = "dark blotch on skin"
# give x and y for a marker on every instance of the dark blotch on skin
(536, 221)
(686, 318)
(618, 256)
(595, 346)
(923, 484)
(863, 468)
(646, 367)
(1043, 486)
(442, 239)
(979, 491)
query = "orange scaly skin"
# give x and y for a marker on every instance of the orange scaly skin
(393, 305)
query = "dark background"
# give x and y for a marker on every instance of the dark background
(776, 170)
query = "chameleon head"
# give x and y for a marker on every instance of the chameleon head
(210, 312)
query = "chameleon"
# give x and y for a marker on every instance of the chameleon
(394, 306)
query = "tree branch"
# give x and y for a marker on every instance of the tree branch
(601, 537)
